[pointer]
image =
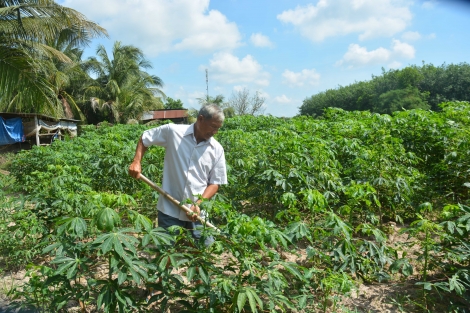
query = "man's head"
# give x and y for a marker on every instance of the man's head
(209, 119)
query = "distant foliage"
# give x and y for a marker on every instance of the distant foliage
(171, 103)
(243, 104)
(414, 87)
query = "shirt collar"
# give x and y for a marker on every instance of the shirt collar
(190, 131)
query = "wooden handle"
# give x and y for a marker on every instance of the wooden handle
(173, 200)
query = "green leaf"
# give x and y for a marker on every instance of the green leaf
(407, 269)
(107, 219)
(158, 236)
(67, 264)
(299, 230)
(140, 221)
(426, 285)
(456, 284)
(190, 272)
(241, 300)
(203, 274)
(254, 300)
(115, 241)
(163, 263)
(302, 302)
(122, 276)
(291, 268)
(74, 225)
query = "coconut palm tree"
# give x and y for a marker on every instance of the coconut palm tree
(67, 78)
(26, 28)
(219, 100)
(123, 87)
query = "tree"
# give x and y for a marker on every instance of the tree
(219, 100)
(122, 88)
(408, 99)
(26, 27)
(447, 82)
(229, 112)
(173, 104)
(409, 76)
(68, 78)
(243, 104)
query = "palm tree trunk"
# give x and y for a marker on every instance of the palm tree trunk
(67, 109)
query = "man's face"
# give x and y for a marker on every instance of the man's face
(207, 127)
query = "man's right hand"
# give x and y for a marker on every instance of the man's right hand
(135, 169)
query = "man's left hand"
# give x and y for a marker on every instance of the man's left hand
(194, 214)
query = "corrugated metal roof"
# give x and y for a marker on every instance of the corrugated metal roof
(165, 114)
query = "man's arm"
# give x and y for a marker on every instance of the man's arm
(136, 168)
(208, 193)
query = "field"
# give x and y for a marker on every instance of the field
(353, 212)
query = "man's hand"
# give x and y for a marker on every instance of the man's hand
(135, 169)
(194, 214)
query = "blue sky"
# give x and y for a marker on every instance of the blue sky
(287, 50)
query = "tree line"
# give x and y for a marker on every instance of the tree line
(414, 87)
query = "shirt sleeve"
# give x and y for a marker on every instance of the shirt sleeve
(218, 175)
(157, 136)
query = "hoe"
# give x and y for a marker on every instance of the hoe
(173, 200)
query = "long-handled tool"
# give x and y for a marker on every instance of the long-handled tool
(173, 200)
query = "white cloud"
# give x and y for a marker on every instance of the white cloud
(227, 68)
(189, 98)
(193, 99)
(394, 65)
(305, 77)
(402, 50)
(238, 88)
(218, 89)
(359, 56)
(429, 4)
(260, 40)
(282, 99)
(263, 94)
(431, 36)
(368, 18)
(161, 26)
(411, 36)
(180, 93)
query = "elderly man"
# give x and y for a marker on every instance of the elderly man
(194, 165)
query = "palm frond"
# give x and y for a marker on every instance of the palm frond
(23, 87)
(43, 20)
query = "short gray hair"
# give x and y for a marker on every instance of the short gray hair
(212, 111)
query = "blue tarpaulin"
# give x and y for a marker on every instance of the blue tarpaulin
(11, 131)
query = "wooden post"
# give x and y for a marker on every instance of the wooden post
(37, 127)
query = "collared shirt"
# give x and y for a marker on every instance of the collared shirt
(188, 167)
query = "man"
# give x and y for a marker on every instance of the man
(194, 165)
